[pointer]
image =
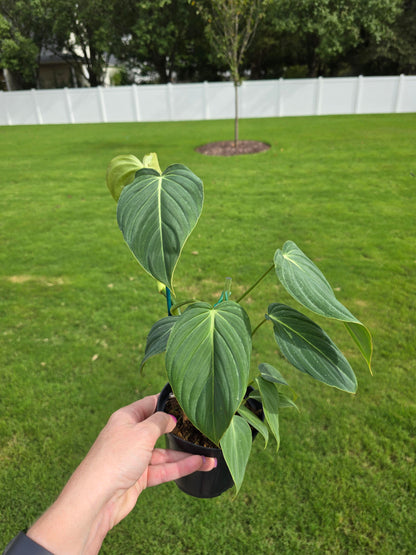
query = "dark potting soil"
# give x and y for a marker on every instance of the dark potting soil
(186, 430)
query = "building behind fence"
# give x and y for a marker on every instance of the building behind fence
(184, 102)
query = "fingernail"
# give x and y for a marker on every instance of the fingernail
(174, 418)
(215, 463)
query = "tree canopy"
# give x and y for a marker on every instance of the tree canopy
(194, 40)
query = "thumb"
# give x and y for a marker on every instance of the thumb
(157, 424)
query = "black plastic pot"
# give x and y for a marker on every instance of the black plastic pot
(201, 484)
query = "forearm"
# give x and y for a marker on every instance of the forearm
(72, 525)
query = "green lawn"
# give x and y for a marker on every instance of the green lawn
(75, 310)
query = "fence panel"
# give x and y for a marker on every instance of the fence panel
(198, 101)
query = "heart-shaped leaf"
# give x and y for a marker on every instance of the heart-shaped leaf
(158, 338)
(236, 446)
(306, 283)
(207, 361)
(156, 214)
(309, 349)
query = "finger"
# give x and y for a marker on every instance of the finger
(154, 426)
(161, 473)
(160, 456)
(143, 408)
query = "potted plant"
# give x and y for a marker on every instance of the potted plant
(208, 348)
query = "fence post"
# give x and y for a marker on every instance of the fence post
(69, 106)
(358, 94)
(318, 96)
(3, 102)
(38, 113)
(399, 93)
(136, 103)
(169, 100)
(101, 104)
(206, 100)
(280, 105)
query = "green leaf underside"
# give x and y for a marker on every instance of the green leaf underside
(255, 421)
(157, 339)
(307, 284)
(207, 362)
(236, 446)
(271, 374)
(270, 400)
(120, 172)
(156, 214)
(309, 349)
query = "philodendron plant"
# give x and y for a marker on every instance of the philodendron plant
(208, 348)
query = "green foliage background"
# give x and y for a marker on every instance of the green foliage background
(75, 310)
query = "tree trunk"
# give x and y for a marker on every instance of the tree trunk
(235, 113)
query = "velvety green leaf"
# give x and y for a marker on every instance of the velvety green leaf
(236, 446)
(286, 403)
(255, 394)
(156, 214)
(157, 339)
(271, 374)
(207, 361)
(255, 421)
(307, 284)
(270, 400)
(120, 172)
(309, 349)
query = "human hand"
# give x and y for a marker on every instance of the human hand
(104, 488)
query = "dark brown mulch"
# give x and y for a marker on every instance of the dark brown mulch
(227, 148)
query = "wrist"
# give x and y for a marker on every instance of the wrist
(71, 526)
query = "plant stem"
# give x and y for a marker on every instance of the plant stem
(255, 284)
(258, 326)
(176, 306)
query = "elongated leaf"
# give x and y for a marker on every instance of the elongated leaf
(271, 374)
(156, 214)
(120, 172)
(236, 446)
(270, 400)
(307, 284)
(207, 361)
(255, 421)
(309, 349)
(157, 339)
(286, 403)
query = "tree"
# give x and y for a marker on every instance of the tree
(230, 26)
(23, 32)
(165, 41)
(88, 31)
(324, 34)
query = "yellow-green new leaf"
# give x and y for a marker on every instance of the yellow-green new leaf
(120, 172)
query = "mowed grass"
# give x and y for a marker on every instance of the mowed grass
(76, 309)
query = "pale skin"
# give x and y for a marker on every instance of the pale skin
(104, 488)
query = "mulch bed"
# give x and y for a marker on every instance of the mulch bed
(227, 148)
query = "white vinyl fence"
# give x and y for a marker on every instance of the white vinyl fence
(181, 102)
